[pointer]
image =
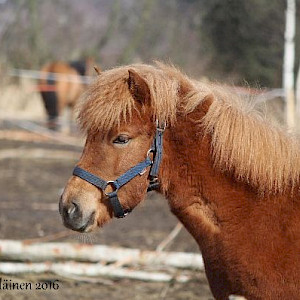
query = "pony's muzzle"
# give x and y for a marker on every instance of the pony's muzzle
(73, 216)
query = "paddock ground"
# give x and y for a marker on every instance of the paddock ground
(30, 189)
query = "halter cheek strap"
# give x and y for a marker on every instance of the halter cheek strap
(139, 169)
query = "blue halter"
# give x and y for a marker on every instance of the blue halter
(139, 169)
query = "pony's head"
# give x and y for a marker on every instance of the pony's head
(119, 115)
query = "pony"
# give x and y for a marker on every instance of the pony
(61, 85)
(229, 176)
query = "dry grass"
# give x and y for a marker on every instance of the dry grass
(21, 100)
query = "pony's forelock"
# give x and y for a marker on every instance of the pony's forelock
(108, 101)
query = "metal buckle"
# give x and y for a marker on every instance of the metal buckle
(127, 212)
(149, 152)
(160, 127)
(143, 172)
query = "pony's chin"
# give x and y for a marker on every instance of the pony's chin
(87, 229)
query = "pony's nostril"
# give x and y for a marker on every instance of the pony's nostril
(74, 218)
(72, 210)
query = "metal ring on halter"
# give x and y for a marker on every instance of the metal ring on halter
(148, 153)
(110, 183)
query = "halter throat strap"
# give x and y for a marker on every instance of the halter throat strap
(139, 169)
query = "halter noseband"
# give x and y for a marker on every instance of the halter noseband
(139, 169)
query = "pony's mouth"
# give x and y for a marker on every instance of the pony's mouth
(86, 227)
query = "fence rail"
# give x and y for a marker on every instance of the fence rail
(32, 74)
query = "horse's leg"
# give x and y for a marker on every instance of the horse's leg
(50, 102)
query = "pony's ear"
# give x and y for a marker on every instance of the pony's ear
(98, 70)
(184, 88)
(138, 87)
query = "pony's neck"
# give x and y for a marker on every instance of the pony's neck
(185, 163)
(198, 194)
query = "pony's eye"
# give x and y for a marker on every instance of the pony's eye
(122, 139)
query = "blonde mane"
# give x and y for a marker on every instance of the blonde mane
(254, 150)
(243, 143)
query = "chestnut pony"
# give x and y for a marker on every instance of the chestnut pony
(229, 176)
(62, 87)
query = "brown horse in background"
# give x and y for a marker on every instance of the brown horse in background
(61, 86)
(229, 176)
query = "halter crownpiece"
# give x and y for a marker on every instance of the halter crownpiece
(139, 169)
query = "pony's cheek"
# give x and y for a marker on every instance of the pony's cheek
(103, 216)
(138, 193)
(104, 213)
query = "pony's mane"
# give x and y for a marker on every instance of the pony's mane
(254, 150)
(243, 142)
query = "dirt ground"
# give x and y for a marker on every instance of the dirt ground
(30, 188)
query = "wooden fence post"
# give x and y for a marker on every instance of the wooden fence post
(288, 64)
